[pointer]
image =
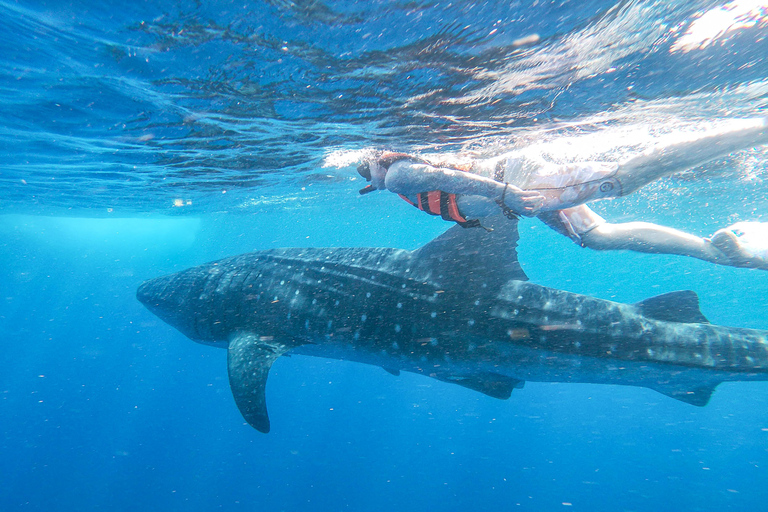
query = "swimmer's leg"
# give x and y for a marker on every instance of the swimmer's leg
(654, 239)
(589, 229)
(664, 161)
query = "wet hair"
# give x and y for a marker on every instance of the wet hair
(364, 170)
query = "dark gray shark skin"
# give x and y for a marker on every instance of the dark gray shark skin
(459, 310)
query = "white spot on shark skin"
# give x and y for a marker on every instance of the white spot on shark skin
(399, 305)
(368, 295)
(363, 318)
(397, 327)
(402, 286)
(650, 352)
(336, 303)
(471, 323)
(282, 283)
(577, 344)
(433, 314)
(477, 302)
(288, 317)
(297, 292)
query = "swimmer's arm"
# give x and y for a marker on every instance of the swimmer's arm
(410, 178)
(407, 177)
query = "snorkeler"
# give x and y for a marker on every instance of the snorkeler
(556, 193)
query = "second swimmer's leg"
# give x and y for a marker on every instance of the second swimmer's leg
(666, 160)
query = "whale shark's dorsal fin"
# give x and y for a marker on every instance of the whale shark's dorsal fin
(470, 258)
(248, 362)
(680, 307)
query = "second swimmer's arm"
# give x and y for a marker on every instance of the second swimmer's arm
(409, 178)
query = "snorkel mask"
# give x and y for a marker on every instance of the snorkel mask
(364, 170)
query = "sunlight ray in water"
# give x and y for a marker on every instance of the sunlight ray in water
(713, 25)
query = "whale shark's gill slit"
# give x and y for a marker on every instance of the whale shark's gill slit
(240, 284)
(339, 280)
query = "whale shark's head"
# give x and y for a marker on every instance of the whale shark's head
(175, 299)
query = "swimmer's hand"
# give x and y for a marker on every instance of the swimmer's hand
(521, 202)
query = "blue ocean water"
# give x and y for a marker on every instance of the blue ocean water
(139, 139)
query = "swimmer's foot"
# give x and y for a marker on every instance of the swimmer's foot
(745, 244)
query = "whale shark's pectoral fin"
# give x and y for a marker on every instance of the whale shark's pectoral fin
(697, 395)
(681, 307)
(248, 362)
(491, 384)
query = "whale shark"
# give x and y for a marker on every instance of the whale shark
(460, 309)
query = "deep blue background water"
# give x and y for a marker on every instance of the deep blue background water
(111, 112)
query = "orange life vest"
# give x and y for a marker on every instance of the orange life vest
(437, 202)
